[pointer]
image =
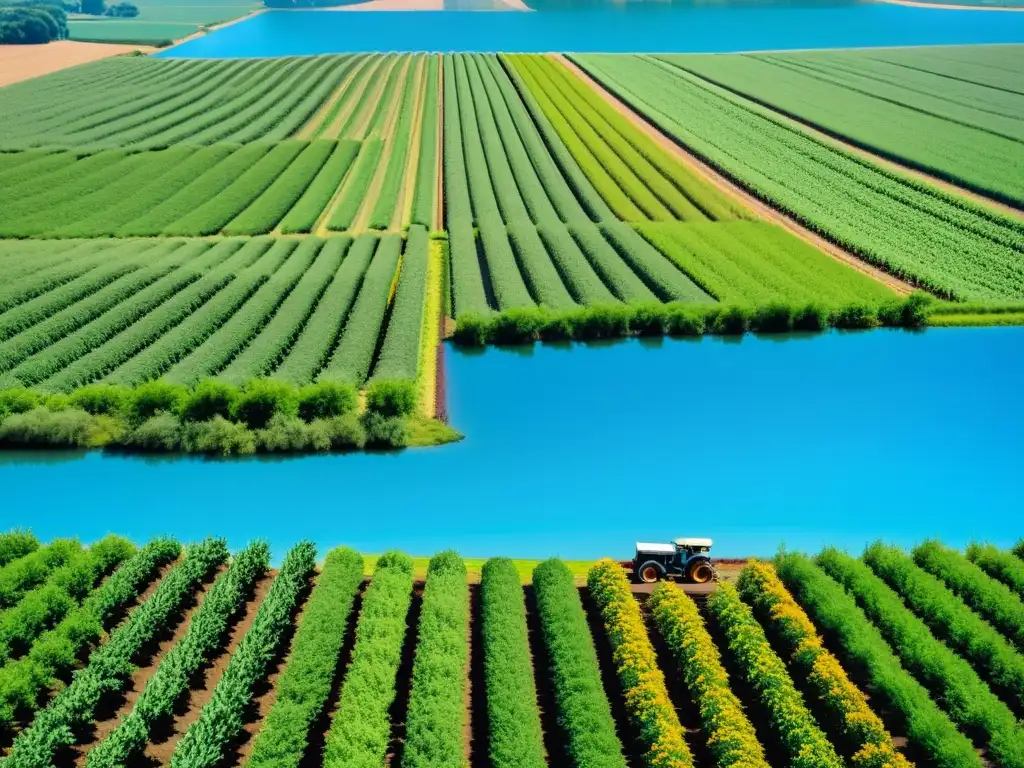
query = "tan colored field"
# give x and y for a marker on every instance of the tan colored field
(23, 62)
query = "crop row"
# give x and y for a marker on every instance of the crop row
(237, 310)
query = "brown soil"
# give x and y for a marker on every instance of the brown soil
(439, 172)
(758, 208)
(476, 731)
(403, 681)
(407, 192)
(165, 740)
(109, 716)
(311, 125)
(361, 78)
(555, 738)
(23, 62)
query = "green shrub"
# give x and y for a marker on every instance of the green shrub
(18, 400)
(648, 319)
(155, 397)
(390, 398)
(289, 434)
(15, 544)
(57, 402)
(346, 433)
(326, 399)
(812, 317)
(159, 433)
(218, 436)
(855, 316)
(730, 321)
(999, 564)
(261, 399)
(70, 428)
(684, 320)
(773, 318)
(383, 432)
(101, 399)
(208, 399)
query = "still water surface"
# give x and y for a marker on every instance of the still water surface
(600, 26)
(580, 450)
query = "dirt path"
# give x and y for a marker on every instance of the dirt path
(403, 681)
(439, 172)
(164, 741)
(361, 79)
(308, 130)
(23, 62)
(407, 191)
(760, 209)
(364, 118)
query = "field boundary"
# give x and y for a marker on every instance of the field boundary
(759, 209)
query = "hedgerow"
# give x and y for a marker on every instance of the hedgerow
(359, 732)
(864, 650)
(303, 688)
(65, 587)
(766, 673)
(999, 564)
(730, 736)
(304, 214)
(989, 597)
(207, 631)
(583, 708)
(205, 742)
(29, 571)
(436, 722)
(514, 731)
(357, 182)
(643, 684)
(870, 744)
(965, 697)
(109, 667)
(399, 353)
(993, 656)
(15, 544)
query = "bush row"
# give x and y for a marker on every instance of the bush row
(360, 730)
(864, 650)
(15, 544)
(303, 689)
(643, 684)
(952, 621)
(436, 723)
(952, 681)
(999, 564)
(989, 597)
(731, 737)
(583, 708)
(679, 319)
(109, 667)
(220, 723)
(30, 571)
(765, 672)
(515, 739)
(863, 731)
(66, 587)
(207, 631)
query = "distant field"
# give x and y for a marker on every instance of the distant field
(128, 31)
(160, 21)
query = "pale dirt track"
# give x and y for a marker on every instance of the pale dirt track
(23, 62)
(950, 6)
(760, 209)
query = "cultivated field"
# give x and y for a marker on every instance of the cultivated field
(114, 655)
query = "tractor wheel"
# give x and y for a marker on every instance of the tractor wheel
(648, 573)
(701, 573)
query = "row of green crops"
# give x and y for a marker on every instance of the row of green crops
(108, 669)
(237, 310)
(31, 570)
(207, 631)
(56, 652)
(920, 233)
(16, 544)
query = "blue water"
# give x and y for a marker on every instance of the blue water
(603, 28)
(581, 450)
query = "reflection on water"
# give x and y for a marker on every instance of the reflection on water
(582, 449)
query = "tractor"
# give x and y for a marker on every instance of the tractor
(685, 559)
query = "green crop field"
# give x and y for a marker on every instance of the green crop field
(159, 21)
(967, 132)
(478, 662)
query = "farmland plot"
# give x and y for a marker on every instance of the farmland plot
(966, 133)
(945, 244)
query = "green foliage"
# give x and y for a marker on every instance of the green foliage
(303, 688)
(304, 214)
(15, 544)
(155, 397)
(17, 400)
(32, 569)
(207, 632)
(56, 652)
(583, 707)
(865, 653)
(391, 398)
(358, 737)
(399, 353)
(436, 723)
(326, 399)
(220, 722)
(261, 400)
(989, 597)
(425, 191)
(109, 667)
(357, 182)
(514, 729)
(209, 398)
(102, 399)
(288, 434)
(999, 564)
(384, 432)
(952, 621)
(31, 25)
(218, 436)
(766, 673)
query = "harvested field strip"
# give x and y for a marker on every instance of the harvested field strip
(314, 126)
(352, 194)
(319, 197)
(333, 124)
(370, 99)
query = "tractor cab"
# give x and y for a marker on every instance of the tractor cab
(686, 559)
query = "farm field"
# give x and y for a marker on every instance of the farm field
(894, 658)
(962, 130)
(159, 21)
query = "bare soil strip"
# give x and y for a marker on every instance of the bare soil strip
(163, 743)
(309, 129)
(407, 191)
(362, 124)
(760, 209)
(344, 183)
(23, 62)
(476, 732)
(439, 170)
(403, 681)
(387, 133)
(362, 79)
(555, 740)
(111, 711)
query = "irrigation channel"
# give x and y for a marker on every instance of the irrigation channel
(579, 450)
